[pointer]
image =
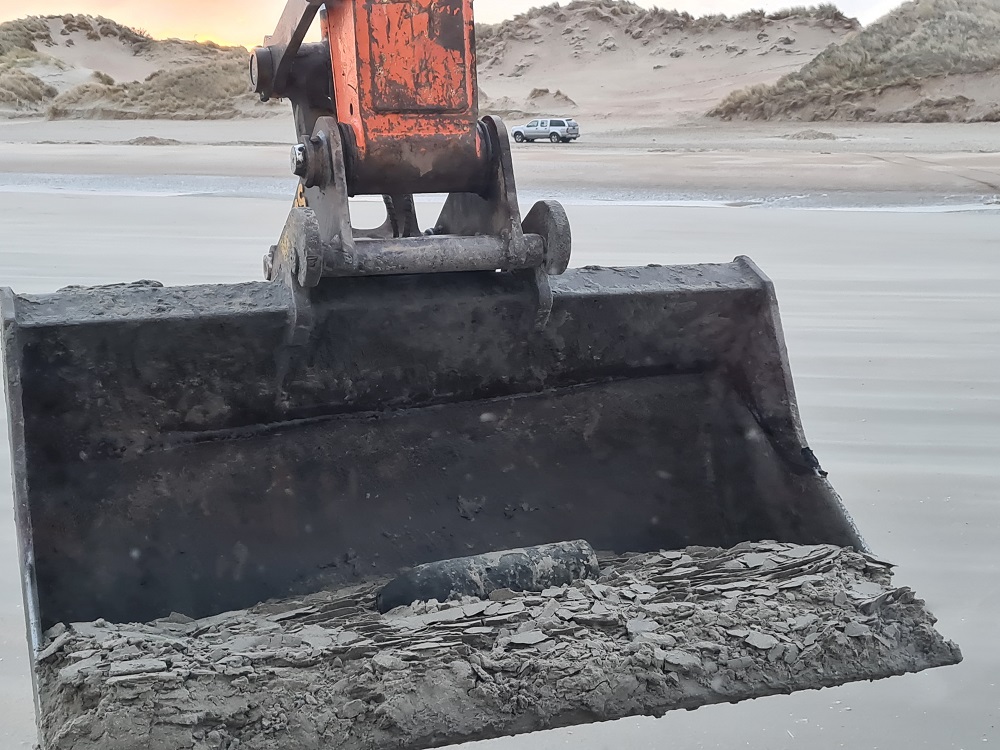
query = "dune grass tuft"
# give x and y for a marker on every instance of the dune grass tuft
(215, 89)
(920, 40)
(19, 89)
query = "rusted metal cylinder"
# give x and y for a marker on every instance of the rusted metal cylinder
(525, 569)
(419, 164)
(442, 254)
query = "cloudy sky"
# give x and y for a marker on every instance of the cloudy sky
(245, 22)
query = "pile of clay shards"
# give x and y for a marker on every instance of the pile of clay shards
(656, 632)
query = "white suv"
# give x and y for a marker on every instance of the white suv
(557, 130)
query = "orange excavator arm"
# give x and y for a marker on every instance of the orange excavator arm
(387, 104)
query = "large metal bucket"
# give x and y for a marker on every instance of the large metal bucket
(177, 449)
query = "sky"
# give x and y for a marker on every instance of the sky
(247, 21)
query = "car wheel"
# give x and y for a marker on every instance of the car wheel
(555, 138)
(566, 140)
(519, 137)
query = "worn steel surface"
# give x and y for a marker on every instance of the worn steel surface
(404, 79)
(270, 65)
(199, 449)
(501, 572)
(474, 232)
(400, 78)
(388, 104)
(441, 254)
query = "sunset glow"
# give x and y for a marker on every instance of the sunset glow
(247, 22)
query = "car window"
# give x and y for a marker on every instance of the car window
(532, 124)
(544, 124)
(558, 124)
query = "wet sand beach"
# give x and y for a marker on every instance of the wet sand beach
(891, 316)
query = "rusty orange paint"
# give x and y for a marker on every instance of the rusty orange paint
(404, 68)
(418, 58)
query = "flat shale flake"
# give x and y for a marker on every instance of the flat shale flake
(761, 640)
(53, 648)
(872, 560)
(530, 638)
(597, 590)
(293, 613)
(662, 640)
(432, 646)
(473, 610)
(856, 629)
(514, 608)
(640, 625)
(682, 660)
(798, 553)
(754, 559)
(137, 666)
(388, 662)
(804, 621)
(549, 610)
(866, 590)
(145, 677)
(595, 620)
(677, 573)
(346, 638)
(794, 583)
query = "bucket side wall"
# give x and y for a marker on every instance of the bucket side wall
(182, 452)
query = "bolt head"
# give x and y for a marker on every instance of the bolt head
(299, 160)
(262, 71)
(254, 70)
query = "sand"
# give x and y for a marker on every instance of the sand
(891, 320)
(642, 635)
(589, 60)
(890, 164)
(602, 60)
(92, 67)
(925, 61)
(646, 66)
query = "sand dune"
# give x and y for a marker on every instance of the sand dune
(89, 66)
(610, 61)
(621, 63)
(927, 61)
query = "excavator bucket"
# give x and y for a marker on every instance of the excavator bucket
(177, 449)
(188, 450)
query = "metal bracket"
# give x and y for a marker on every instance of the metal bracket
(473, 232)
(271, 64)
